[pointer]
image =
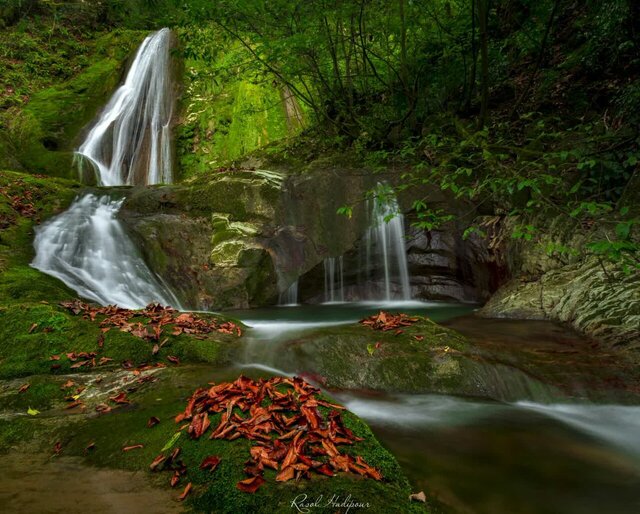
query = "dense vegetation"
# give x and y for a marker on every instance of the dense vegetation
(527, 108)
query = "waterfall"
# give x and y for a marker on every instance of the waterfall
(87, 248)
(383, 257)
(385, 246)
(289, 296)
(131, 141)
(333, 279)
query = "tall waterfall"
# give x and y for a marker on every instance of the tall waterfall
(87, 248)
(130, 143)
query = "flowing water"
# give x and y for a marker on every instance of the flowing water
(87, 246)
(382, 270)
(130, 143)
(88, 249)
(473, 455)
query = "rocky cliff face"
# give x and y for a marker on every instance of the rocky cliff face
(237, 239)
(593, 296)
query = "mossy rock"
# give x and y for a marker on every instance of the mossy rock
(217, 492)
(31, 333)
(425, 357)
(41, 135)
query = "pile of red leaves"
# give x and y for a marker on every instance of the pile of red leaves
(157, 316)
(385, 321)
(282, 415)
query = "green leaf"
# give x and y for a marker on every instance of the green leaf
(33, 412)
(171, 441)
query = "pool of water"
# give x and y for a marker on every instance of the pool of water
(485, 457)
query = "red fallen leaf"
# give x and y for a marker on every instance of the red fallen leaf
(89, 447)
(127, 364)
(325, 470)
(398, 332)
(250, 485)
(186, 492)
(418, 338)
(103, 408)
(153, 421)
(55, 366)
(173, 358)
(32, 328)
(285, 475)
(120, 398)
(175, 479)
(54, 358)
(157, 462)
(174, 454)
(132, 447)
(155, 350)
(199, 425)
(24, 387)
(104, 360)
(57, 448)
(211, 462)
(74, 404)
(101, 340)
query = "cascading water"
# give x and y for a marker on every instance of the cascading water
(87, 248)
(289, 296)
(334, 279)
(131, 141)
(383, 256)
(384, 245)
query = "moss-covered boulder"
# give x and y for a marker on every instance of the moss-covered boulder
(424, 357)
(99, 440)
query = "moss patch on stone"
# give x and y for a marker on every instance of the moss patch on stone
(217, 492)
(425, 357)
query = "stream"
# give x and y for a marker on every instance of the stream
(562, 455)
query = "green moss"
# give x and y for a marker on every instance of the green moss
(228, 111)
(31, 333)
(41, 134)
(346, 357)
(43, 392)
(17, 430)
(217, 492)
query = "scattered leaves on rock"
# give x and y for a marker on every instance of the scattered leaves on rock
(283, 417)
(385, 321)
(154, 318)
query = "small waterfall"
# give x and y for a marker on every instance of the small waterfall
(385, 246)
(334, 279)
(87, 248)
(289, 296)
(382, 259)
(131, 140)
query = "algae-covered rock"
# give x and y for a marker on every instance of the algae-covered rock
(594, 296)
(424, 357)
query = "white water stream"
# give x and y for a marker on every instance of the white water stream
(87, 246)
(131, 141)
(88, 249)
